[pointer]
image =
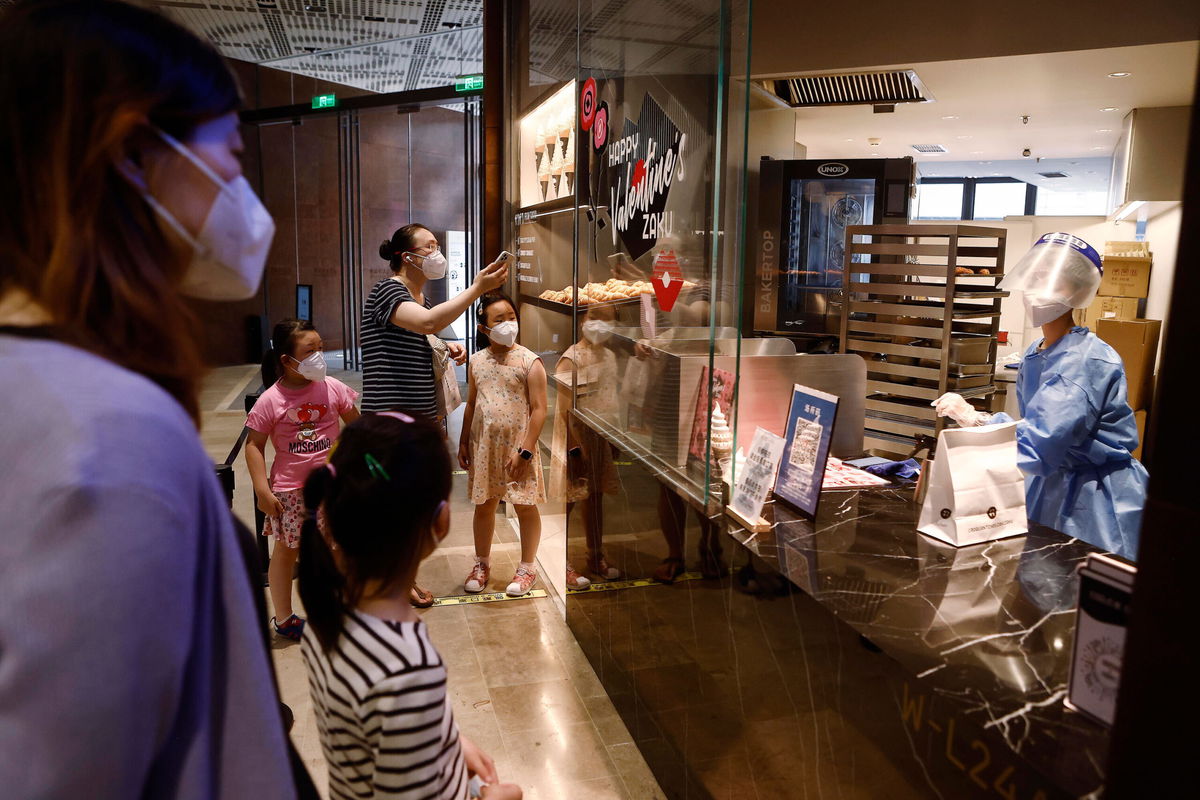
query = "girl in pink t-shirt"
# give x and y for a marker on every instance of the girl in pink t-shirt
(299, 413)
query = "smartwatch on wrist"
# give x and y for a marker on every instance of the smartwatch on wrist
(525, 454)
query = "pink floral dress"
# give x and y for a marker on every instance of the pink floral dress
(499, 425)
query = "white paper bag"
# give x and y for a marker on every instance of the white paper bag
(976, 492)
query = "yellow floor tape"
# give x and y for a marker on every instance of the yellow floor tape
(483, 597)
(611, 586)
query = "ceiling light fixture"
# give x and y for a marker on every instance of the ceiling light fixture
(1104, 130)
(962, 137)
(950, 116)
(1119, 74)
(1109, 108)
(1099, 148)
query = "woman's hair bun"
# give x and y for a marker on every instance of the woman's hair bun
(386, 251)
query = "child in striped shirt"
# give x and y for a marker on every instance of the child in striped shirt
(378, 684)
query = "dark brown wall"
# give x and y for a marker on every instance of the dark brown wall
(817, 36)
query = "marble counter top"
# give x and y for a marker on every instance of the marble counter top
(985, 631)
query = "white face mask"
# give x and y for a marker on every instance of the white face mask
(230, 252)
(312, 367)
(505, 333)
(597, 330)
(433, 265)
(1043, 311)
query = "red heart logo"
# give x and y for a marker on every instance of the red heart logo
(667, 279)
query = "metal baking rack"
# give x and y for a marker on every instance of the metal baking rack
(922, 324)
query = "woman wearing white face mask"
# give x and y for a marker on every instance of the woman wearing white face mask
(133, 661)
(1076, 434)
(397, 318)
(581, 465)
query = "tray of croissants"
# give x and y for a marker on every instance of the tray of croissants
(611, 291)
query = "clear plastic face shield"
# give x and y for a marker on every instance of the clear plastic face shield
(1060, 269)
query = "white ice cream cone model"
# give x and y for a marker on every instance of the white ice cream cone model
(721, 439)
(555, 167)
(564, 135)
(539, 149)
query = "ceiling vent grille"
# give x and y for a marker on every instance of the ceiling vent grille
(849, 89)
(929, 148)
(1054, 174)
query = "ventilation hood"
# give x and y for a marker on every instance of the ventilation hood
(1148, 162)
(851, 88)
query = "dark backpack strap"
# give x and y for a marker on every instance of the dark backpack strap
(305, 789)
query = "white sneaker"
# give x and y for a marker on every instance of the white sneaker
(477, 581)
(577, 581)
(522, 582)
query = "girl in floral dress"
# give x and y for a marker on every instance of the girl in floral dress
(506, 407)
(581, 463)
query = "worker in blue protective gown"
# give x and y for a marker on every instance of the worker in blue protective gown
(1077, 431)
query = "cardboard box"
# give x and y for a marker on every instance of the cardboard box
(1108, 308)
(1140, 418)
(1125, 277)
(1136, 341)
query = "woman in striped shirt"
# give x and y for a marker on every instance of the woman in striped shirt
(378, 684)
(397, 321)
(397, 317)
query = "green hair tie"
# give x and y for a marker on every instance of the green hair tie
(376, 468)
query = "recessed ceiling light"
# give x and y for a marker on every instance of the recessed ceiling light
(976, 152)
(1099, 148)
(1109, 108)
(950, 116)
(1104, 130)
(995, 173)
(849, 140)
(1119, 74)
(962, 137)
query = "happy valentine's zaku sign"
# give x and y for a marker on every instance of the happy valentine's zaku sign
(639, 169)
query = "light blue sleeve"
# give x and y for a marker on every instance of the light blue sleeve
(1058, 417)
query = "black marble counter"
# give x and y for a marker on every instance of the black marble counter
(851, 658)
(984, 631)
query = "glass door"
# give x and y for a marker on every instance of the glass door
(339, 183)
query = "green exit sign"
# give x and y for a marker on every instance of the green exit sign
(468, 83)
(324, 101)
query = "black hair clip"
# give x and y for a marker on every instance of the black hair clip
(376, 468)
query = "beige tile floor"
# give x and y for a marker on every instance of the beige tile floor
(519, 684)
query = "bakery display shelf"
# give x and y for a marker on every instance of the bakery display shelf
(567, 308)
(558, 204)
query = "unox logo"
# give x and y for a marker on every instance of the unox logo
(832, 169)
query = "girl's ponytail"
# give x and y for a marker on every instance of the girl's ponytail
(322, 585)
(270, 368)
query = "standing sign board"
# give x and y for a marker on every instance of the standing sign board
(806, 449)
(754, 480)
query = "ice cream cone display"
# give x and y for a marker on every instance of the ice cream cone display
(544, 176)
(539, 148)
(569, 163)
(564, 134)
(556, 172)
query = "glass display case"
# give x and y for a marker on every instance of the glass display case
(625, 193)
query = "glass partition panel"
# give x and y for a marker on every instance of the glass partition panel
(625, 186)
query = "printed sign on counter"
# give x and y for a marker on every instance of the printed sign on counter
(758, 475)
(806, 451)
(1105, 591)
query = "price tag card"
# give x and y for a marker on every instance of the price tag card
(806, 449)
(757, 477)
